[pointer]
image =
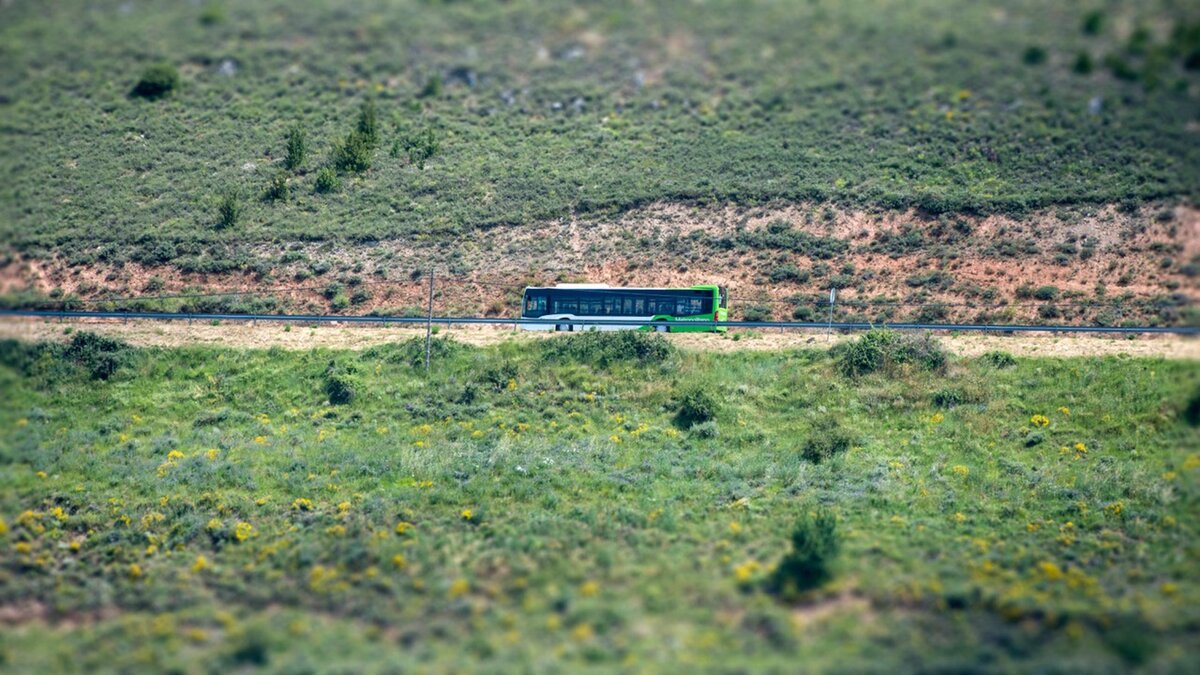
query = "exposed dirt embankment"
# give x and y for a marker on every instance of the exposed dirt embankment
(357, 336)
(1096, 265)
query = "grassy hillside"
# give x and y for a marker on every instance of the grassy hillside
(597, 501)
(539, 110)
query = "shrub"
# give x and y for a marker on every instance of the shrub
(327, 180)
(295, 149)
(1191, 414)
(950, 397)
(696, 406)
(338, 385)
(277, 189)
(1034, 56)
(1046, 293)
(1083, 64)
(419, 146)
(433, 87)
(100, 356)
(804, 313)
(827, 439)
(808, 565)
(933, 312)
(757, 313)
(353, 155)
(884, 350)
(229, 210)
(412, 351)
(1093, 22)
(707, 429)
(788, 272)
(998, 359)
(497, 376)
(602, 348)
(157, 81)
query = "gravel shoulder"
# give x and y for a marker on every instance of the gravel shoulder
(264, 335)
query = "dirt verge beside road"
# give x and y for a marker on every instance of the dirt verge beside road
(264, 335)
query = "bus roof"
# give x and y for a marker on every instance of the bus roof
(603, 287)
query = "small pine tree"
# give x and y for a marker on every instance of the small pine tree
(277, 189)
(229, 210)
(433, 87)
(354, 154)
(327, 180)
(295, 149)
(368, 123)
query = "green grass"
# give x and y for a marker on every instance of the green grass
(540, 110)
(560, 517)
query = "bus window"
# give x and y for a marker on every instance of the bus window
(566, 305)
(535, 304)
(724, 296)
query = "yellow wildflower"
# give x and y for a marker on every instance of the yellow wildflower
(343, 507)
(215, 524)
(398, 561)
(175, 454)
(242, 531)
(746, 570)
(735, 527)
(41, 474)
(302, 504)
(59, 514)
(402, 528)
(466, 514)
(135, 571)
(1039, 421)
(589, 589)
(960, 518)
(960, 470)
(937, 418)
(1065, 410)
(3, 527)
(201, 564)
(260, 440)
(459, 588)
(336, 530)
(1051, 571)
(212, 454)
(23, 547)
(582, 632)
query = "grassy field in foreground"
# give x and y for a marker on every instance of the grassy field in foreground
(540, 110)
(593, 501)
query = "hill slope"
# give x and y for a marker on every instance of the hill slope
(541, 110)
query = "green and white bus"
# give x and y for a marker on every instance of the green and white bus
(661, 309)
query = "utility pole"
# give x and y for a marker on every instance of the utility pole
(429, 323)
(832, 299)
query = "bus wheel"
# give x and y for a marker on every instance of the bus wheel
(662, 328)
(562, 327)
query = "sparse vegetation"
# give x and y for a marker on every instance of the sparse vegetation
(243, 488)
